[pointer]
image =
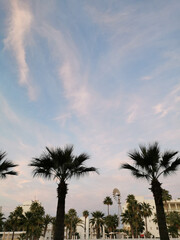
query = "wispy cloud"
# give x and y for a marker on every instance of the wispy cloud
(170, 103)
(132, 113)
(7, 112)
(70, 71)
(19, 24)
(146, 78)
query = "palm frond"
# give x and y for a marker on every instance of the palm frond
(5, 166)
(42, 166)
(81, 159)
(172, 167)
(2, 155)
(167, 157)
(82, 171)
(4, 175)
(147, 158)
(135, 172)
(137, 157)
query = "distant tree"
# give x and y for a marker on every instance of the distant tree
(53, 226)
(62, 165)
(111, 223)
(166, 196)
(97, 222)
(71, 222)
(72, 215)
(15, 220)
(173, 222)
(2, 218)
(150, 164)
(133, 216)
(85, 215)
(6, 166)
(47, 219)
(108, 201)
(146, 212)
(34, 221)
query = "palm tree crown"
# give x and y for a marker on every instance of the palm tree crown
(61, 164)
(85, 215)
(146, 212)
(5, 166)
(150, 163)
(108, 201)
(97, 221)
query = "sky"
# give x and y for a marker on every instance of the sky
(101, 75)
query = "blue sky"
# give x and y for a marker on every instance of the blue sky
(101, 75)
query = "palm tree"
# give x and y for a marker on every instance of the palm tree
(127, 218)
(173, 222)
(111, 222)
(15, 221)
(108, 201)
(61, 164)
(132, 216)
(85, 215)
(46, 220)
(67, 224)
(71, 222)
(5, 166)
(98, 222)
(2, 218)
(146, 212)
(166, 196)
(150, 164)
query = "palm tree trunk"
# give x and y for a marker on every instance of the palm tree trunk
(161, 218)
(108, 209)
(85, 229)
(132, 231)
(45, 230)
(146, 226)
(12, 235)
(59, 223)
(98, 232)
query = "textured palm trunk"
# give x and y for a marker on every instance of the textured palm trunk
(59, 223)
(146, 226)
(161, 218)
(132, 231)
(98, 232)
(85, 229)
(45, 230)
(12, 235)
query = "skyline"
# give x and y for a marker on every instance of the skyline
(103, 76)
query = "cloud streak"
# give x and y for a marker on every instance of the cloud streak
(19, 25)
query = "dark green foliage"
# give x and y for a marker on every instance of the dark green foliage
(33, 222)
(111, 223)
(108, 201)
(15, 221)
(46, 220)
(71, 222)
(85, 215)
(133, 216)
(146, 212)
(97, 222)
(2, 218)
(173, 222)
